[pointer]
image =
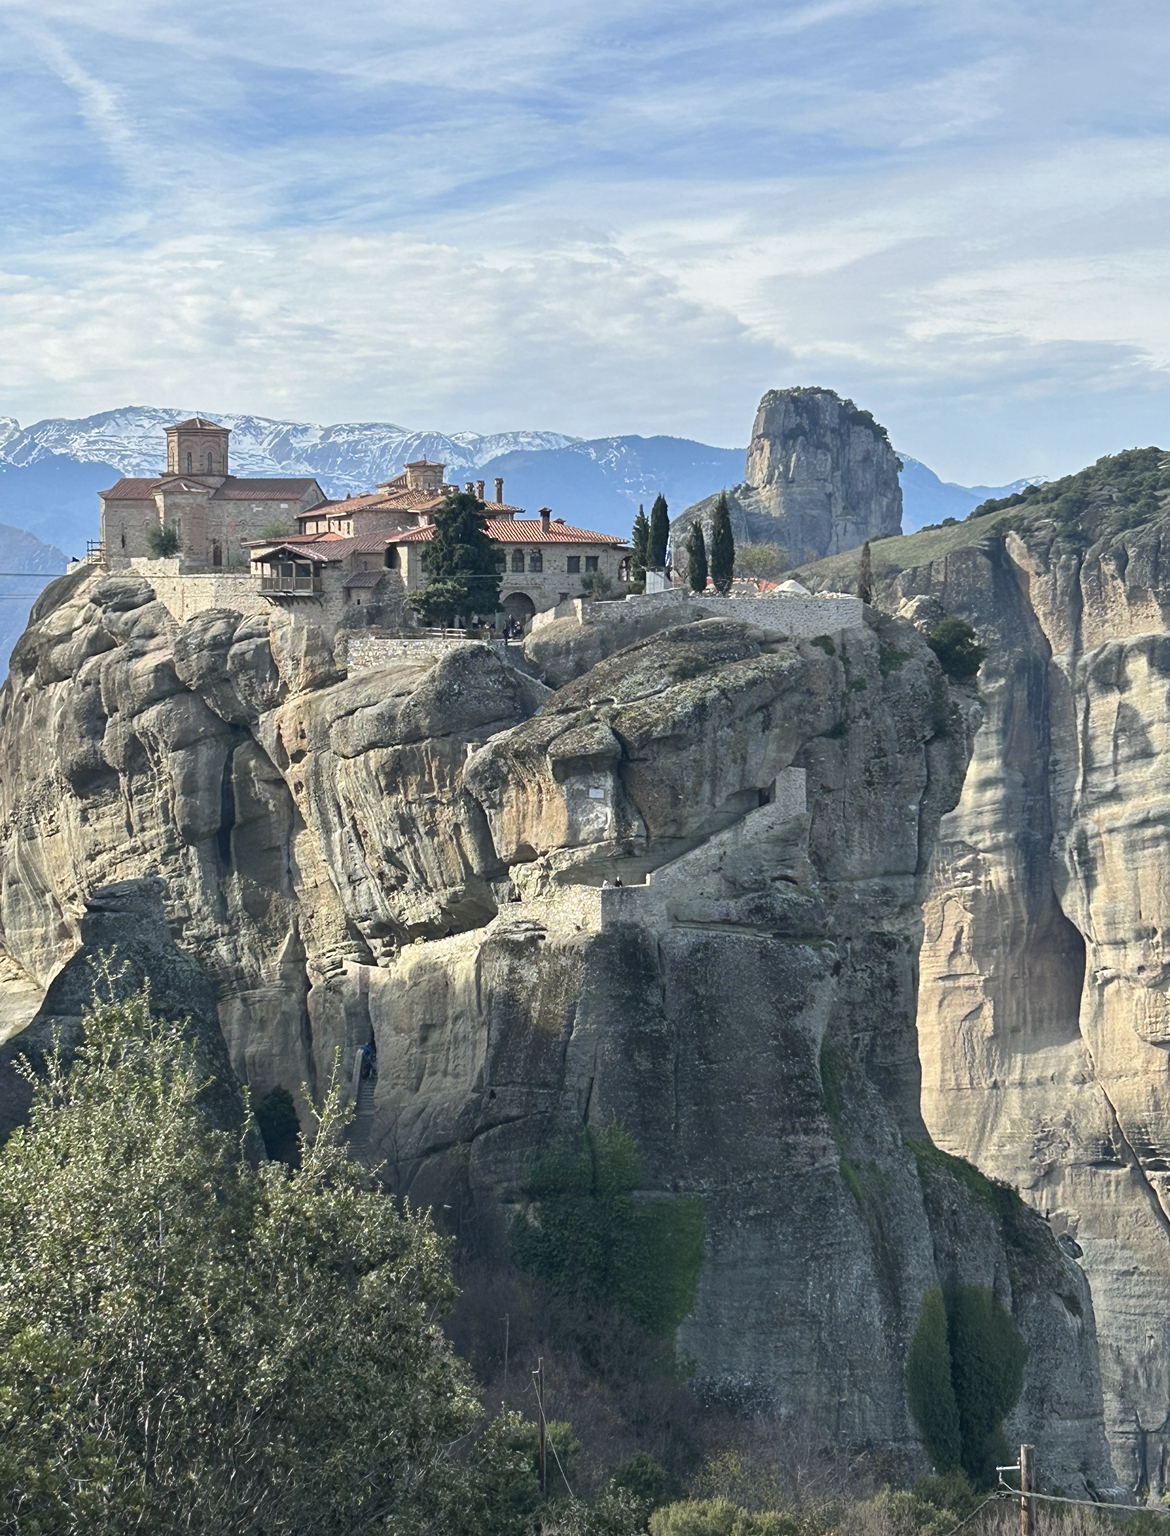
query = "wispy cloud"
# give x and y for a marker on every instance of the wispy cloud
(625, 215)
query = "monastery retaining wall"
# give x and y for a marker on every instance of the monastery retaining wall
(803, 618)
(363, 653)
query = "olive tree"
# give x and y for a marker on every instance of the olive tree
(190, 1339)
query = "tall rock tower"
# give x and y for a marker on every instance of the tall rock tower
(821, 478)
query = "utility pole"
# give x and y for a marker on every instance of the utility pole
(538, 1381)
(1027, 1487)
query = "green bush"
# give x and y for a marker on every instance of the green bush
(953, 641)
(719, 1517)
(964, 1375)
(163, 543)
(589, 1238)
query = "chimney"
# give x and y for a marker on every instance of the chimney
(479, 489)
(545, 518)
(499, 489)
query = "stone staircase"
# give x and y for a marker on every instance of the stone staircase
(363, 1120)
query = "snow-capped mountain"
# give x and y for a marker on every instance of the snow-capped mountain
(346, 457)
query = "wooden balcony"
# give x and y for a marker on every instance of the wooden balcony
(291, 586)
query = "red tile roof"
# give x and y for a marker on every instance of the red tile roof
(364, 578)
(131, 490)
(264, 490)
(506, 530)
(231, 489)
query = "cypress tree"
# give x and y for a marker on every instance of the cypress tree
(697, 558)
(722, 547)
(865, 575)
(659, 534)
(641, 542)
(463, 565)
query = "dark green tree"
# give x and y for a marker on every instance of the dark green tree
(987, 1367)
(929, 1388)
(659, 534)
(641, 543)
(722, 547)
(163, 542)
(964, 1375)
(463, 565)
(697, 558)
(953, 641)
(589, 1238)
(865, 575)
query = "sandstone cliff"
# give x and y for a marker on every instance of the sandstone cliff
(1044, 1016)
(821, 478)
(418, 854)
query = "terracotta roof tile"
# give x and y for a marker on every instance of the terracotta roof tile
(263, 490)
(505, 530)
(131, 490)
(364, 578)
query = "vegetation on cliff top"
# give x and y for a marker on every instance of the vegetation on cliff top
(1118, 493)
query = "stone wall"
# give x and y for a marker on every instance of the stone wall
(800, 618)
(366, 652)
(192, 592)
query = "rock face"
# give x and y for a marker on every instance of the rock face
(1044, 1014)
(821, 478)
(418, 854)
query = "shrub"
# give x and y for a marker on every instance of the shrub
(589, 1239)
(719, 1517)
(765, 561)
(953, 641)
(596, 585)
(163, 542)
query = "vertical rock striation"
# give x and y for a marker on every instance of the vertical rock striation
(821, 478)
(1044, 1006)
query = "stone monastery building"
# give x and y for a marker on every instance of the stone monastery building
(213, 512)
(337, 555)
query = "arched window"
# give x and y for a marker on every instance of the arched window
(208, 463)
(518, 560)
(188, 463)
(536, 560)
(216, 553)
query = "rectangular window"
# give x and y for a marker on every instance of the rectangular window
(517, 559)
(573, 565)
(536, 560)
(590, 562)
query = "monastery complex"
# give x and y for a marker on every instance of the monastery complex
(257, 543)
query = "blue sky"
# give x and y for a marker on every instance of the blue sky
(595, 219)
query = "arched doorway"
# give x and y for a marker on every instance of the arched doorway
(518, 609)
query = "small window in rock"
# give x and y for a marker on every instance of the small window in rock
(590, 562)
(573, 565)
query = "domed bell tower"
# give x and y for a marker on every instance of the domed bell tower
(198, 447)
